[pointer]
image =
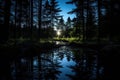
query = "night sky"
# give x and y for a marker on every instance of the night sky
(66, 8)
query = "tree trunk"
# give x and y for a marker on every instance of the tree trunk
(6, 19)
(99, 20)
(31, 26)
(39, 16)
(83, 22)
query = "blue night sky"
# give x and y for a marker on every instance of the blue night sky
(66, 8)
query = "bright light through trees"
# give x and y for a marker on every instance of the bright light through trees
(58, 33)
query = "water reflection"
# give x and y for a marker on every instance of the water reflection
(86, 67)
(63, 63)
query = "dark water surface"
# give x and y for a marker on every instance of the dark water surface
(64, 63)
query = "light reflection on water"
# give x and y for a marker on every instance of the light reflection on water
(63, 63)
(65, 58)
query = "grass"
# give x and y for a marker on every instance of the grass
(76, 40)
(72, 39)
(46, 40)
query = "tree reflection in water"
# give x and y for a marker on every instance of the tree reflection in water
(63, 63)
(40, 67)
(87, 67)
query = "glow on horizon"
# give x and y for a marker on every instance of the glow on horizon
(65, 9)
(58, 32)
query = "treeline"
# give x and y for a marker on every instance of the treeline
(30, 19)
(97, 20)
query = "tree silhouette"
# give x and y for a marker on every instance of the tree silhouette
(54, 11)
(25, 19)
(96, 17)
(5, 19)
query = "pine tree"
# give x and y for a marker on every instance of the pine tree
(54, 11)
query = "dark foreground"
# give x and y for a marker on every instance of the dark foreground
(62, 63)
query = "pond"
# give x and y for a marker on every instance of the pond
(63, 63)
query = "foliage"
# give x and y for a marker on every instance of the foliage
(34, 19)
(95, 19)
